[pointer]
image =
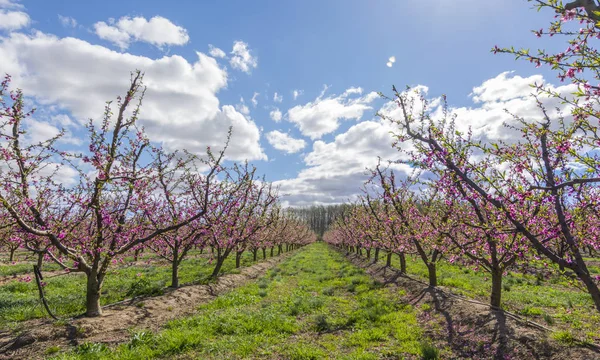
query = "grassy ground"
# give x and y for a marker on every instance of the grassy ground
(25, 260)
(23, 267)
(551, 301)
(314, 305)
(19, 301)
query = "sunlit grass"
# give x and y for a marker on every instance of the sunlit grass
(552, 301)
(66, 293)
(302, 309)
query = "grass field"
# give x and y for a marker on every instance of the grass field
(19, 300)
(314, 305)
(552, 301)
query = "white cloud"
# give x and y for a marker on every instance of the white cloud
(113, 34)
(180, 109)
(63, 120)
(505, 87)
(277, 97)
(241, 107)
(276, 115)
(391, 61)
(38, 131)
(322, 116)
(67, 21)
(216, 52)
(353, 91)
(159, 31)
(255, 99)
(8, 4)
(335, 171)
(242, 59)
(487, 119)
(297, 93)
(13, 20)
(284, 142)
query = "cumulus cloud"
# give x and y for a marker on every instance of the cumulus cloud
(284, 142)
(322, 116)
(180, 109)
(67, 21)
(276, 115)
(9, 4)
(216, 52)
(242, 58)
(13, 20)
(277, 97)
(505, 87)
(335, 171)
(158, 31)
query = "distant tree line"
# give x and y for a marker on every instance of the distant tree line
(320, 217)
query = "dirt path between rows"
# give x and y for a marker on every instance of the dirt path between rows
(114, 326)
(471, 330)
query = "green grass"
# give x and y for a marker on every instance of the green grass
(302, 309)
(66, 293)
(24, 262)
(554, 301)
(23, 267)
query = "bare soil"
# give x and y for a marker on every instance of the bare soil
(471, 330)
(36, 336)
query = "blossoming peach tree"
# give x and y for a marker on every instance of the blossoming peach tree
(545, 185)
(109, 210)
(536, 197)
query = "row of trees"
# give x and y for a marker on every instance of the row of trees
(319, 217)
(124, 194)
(496, 203)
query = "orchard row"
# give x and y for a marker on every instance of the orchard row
(532, 198)
(86, 211)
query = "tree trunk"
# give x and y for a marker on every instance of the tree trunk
(92, 296)
(238, 257)
(591, 286)
(264, 253)
(388, 261)
(272, 251)
(254, 253)
(359, 250)
(432, 274)
(402, 258)
(40, 261)
(368, 253)
(12, 255)
(136, 254)
(376, 255)
(279, 249)
(174, 274)
(218, 265)
(496, 297)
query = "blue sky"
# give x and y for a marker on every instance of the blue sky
(307, 46)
